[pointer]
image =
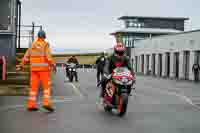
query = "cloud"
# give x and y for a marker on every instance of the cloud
(87, 23)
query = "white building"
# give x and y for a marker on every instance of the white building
(169, 55)
(9, 21)
(141, 27)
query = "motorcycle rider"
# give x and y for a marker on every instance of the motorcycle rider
(100, 62)
(67, 69)
(74, 60)
(117, 59)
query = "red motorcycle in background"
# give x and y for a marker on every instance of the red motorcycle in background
(116, 91)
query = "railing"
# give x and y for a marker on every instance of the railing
(4, 27)
(92, 66)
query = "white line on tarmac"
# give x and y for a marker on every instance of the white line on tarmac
(67, 99)
(77, 91)
(185, 98)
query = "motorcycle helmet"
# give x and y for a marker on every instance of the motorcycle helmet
(119, 49)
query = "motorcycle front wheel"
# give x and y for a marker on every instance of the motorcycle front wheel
(107, 109)
(122, 105)
(71, 77)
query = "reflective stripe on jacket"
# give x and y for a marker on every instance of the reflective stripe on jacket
(39, 56)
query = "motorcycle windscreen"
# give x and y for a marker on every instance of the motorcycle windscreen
(121, 70)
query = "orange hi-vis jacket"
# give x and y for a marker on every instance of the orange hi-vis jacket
(39, 56)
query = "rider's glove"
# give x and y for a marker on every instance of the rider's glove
(106, 76)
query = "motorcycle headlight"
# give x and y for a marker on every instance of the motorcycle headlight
(124, 80)
(74, 69)
(70, 69)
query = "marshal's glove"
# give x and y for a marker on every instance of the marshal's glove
(19, 68)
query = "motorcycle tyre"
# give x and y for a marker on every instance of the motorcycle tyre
(107, 108)
(124, 104)
(71, 77)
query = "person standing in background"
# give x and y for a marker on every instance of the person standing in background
(100, 62)
(196, 69)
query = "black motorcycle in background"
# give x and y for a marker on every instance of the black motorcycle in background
(71, 71)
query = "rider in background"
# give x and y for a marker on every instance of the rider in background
(74, 60)
(100, 62)
(117, 59)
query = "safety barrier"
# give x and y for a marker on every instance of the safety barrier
(81, 68)
(3, 67)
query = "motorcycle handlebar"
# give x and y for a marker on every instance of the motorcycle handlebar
(68, 64)
(107, 76)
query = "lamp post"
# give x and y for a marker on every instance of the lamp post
(33, 26)
(33, 31)
(19, 24)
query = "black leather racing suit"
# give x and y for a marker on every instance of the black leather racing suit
(100, 62)
(75, 61)
(196, 69)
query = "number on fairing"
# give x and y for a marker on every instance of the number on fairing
(122, 74)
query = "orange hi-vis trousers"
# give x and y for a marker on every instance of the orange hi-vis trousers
(44, 77)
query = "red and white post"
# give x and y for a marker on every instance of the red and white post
(4, 68)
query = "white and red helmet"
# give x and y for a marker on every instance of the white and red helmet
(119, 49)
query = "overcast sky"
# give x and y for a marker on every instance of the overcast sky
(87, 23)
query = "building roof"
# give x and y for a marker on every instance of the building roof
(147, 30)
(149, 17)
(183, 32)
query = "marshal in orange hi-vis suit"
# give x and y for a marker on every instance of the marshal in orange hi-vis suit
(40, 59)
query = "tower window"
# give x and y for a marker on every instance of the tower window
(134, 24)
